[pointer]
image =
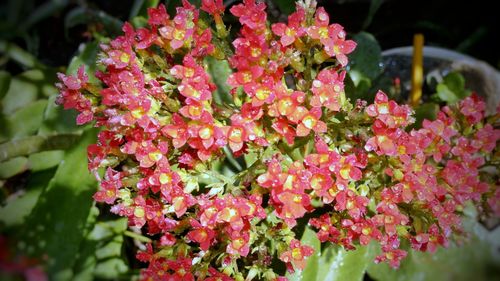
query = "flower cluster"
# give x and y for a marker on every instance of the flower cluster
(356, 171)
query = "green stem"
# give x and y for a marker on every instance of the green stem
(33, 144)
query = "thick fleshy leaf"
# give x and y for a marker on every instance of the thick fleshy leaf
(13, 167)
(140, 8)
(333, 263)
(86, 259)
(86, 15)
(425, 111)
(111, 269)
(45, 160)
(26, 88)
(286, 6)
(56, 226)
(4, 83)
(452, 89)
(19, 55)
(366, 57)
(102, 243)
(338, 264)
(19, 205)
(34, 144)
(58, 120)
(27, 120)
(87, 55)
(220, 70)
(475, 259)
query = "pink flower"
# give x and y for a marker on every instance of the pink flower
(251, 14)
(297, 255)
(327, 89)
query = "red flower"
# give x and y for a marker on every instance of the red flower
(327, 232)
(295, 28)
(331, 36)
(297, 255)
(239, 243)
(327, 89)
(213, 7)
(178, 131)
(109, 187)
(354, 204)
(472, 108)
(251, 14)
(202, 235)
(311, 121)
(180, 32)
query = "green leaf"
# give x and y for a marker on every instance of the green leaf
(358, 86)
(140, 8)
(87, 56)
(220, 70)
(27, 87)
(333, 263)
(286, 6)
(58, 120)
(85, 15)
(19, 206)
(424, 111)
(13, 167)
(338, 264)
(367, 56)
(19, 55)
(107, 229)
(452, 89)
(455, 81)
(26, 146)
(309, 238)
(45, 160)
(20, 94)
(445, 94)
(475, 259)
(111, 269)
(56, 226)
(27, 120)
(86, 260)
(43, 11)
(472, 261)
(110, 249)
(4, 83)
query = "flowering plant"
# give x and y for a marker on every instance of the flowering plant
(294, 149)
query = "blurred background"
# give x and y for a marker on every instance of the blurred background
(47, 215)
(53, 30)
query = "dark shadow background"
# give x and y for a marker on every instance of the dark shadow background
(471, 27)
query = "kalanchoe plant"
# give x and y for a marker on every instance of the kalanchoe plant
(352, 170)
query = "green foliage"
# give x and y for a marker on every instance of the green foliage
(140, 8)
(18, 207)
(367, 56)
(286, 6)
(425, 111)
(88, 16)
(452, 88)
(13, 167)
(333, 263)
(100, 253)
(55, 221)
(474, 259)
(364, 68)
(219, 70)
